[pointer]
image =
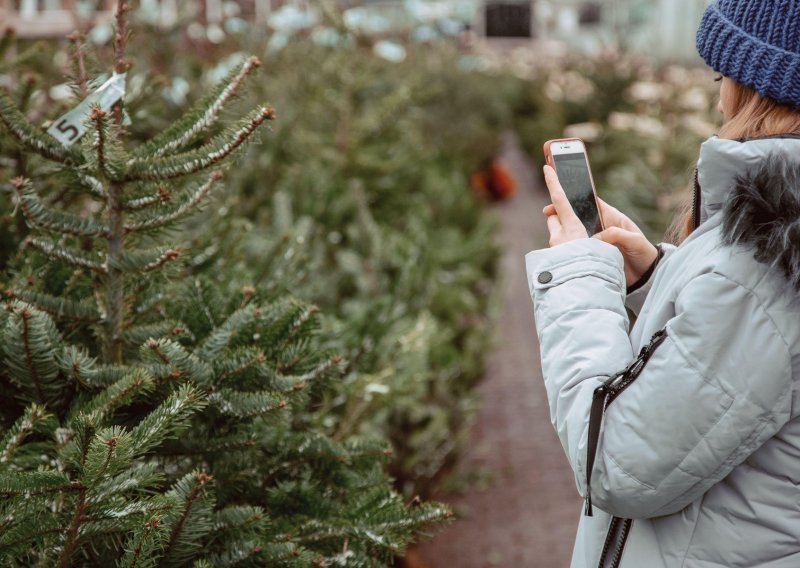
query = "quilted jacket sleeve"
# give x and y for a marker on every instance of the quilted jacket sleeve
(716, 389)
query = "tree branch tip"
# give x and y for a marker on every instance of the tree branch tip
(268, 113)
(76, 36)
(216, 175)
(18, 182)
(203, 477)
(152, 523)
(97, 113)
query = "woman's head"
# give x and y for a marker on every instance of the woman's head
(755, 45)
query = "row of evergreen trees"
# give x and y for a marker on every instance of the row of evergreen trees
(154, 409)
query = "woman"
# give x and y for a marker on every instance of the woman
(702, 449)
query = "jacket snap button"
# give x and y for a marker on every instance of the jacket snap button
(545, 277)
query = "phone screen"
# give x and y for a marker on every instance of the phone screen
(573, 173)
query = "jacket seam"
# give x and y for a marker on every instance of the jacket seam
(628, 474)
(760, 304)
(684, 352)
(577, 274)
(574, 311)
(745, 446)
(583, 257)
(679, 466)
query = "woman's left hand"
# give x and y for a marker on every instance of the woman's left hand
(563, 224)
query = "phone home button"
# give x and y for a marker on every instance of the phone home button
(545, 277)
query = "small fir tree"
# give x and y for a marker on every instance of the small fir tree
(156, 417)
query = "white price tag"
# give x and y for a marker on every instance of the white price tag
(70, 127)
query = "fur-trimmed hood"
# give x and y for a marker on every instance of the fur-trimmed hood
(757, 185)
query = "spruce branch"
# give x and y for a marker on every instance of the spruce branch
(168, 419)
(72, 531)
(97, 116)
(120, 393)
(200, 118)
(138, 334)
(146, 543)
(108, 155)
(138, 479)
(56, 306)
(32, 420)
(30, 483)
(93, 184)
(162, 196)
(65, 253)
(317, 372)
(240, 362)
(30, 341)
(121, 65)
(81, 77)
(35, 140)
(147, 260)
(222, 335)
(175, 361)
(51, 220)
(109, 452)
(245, 404)
(192, 201)
(192, 520)
(204, 157)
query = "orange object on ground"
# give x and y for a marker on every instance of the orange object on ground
(494, 182)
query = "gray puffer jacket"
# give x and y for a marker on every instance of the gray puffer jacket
(702, 449)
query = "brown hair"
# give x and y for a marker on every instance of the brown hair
(751, 116)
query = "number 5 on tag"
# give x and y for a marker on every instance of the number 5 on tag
(70, 127)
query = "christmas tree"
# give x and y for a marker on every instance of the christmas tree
(154, 415)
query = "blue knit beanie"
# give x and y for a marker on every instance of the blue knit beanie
(756, 43)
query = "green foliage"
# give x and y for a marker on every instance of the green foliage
(156, 412)
(364, 207)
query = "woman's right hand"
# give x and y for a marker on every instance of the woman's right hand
(620, 231)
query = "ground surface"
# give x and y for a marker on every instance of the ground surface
(527, 516)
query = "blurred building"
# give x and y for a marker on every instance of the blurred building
(661, 28)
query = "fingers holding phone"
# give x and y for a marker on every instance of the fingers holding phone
(562, 222)
(577, 212)
(569, 166)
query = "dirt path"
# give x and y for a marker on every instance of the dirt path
(528, 515)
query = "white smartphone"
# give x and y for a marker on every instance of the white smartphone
(568, 157)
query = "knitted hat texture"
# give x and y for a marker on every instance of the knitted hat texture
(756, 43)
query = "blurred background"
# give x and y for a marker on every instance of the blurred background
(399, 189)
